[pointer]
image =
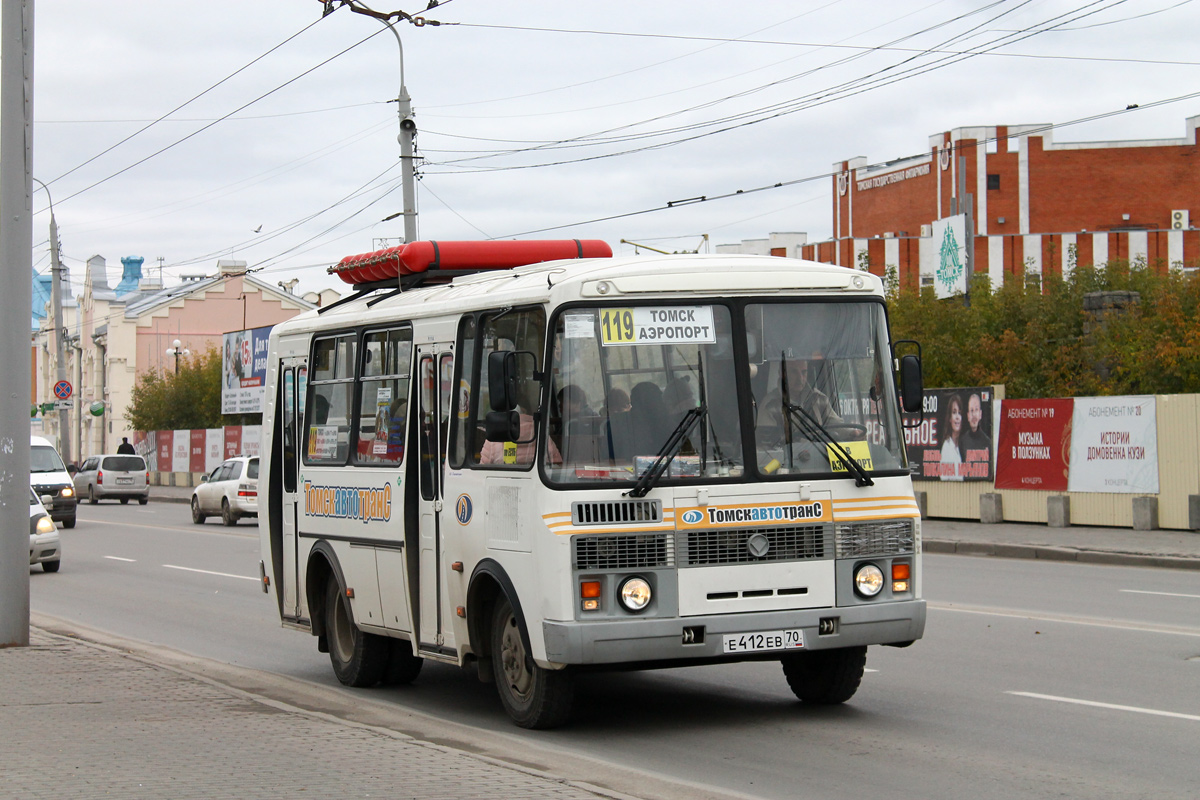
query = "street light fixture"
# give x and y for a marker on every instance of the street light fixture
(174, 350)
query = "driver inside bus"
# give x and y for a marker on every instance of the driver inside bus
(800, 392)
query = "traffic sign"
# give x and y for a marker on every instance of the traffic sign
(59, 405)
(62, 390)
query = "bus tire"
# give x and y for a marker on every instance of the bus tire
(358, 658)
(825, 677)
(402, 667)
(534, 697)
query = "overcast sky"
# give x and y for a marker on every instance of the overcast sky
(535, 115)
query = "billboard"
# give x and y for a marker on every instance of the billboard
(1114, 445)
(1034, 446)
(950, 256)
(244, 370)
(953, 441)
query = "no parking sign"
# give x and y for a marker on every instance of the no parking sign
(62, 390)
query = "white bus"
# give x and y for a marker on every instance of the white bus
(537, 467)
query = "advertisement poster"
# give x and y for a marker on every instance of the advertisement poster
(954, 440)
(244, 370)
(1034, 444)
(950, 256)
(1114, 445)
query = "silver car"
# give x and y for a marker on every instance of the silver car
(117, 476)
(44, 545)
(230, 490)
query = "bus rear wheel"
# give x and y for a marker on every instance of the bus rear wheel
(534, 697)
(825, 677)
(358, 658)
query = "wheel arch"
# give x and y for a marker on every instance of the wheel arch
(489, 583)
(322, 563)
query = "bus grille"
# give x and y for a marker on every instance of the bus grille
(609, 511)
(632, 551)
(858, 539)
(710, 548)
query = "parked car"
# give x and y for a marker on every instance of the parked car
(44, 545)
(48, 476)
(230, 490)
(116, 476)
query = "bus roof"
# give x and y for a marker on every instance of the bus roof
(601, 280)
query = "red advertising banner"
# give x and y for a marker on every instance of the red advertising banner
(196, 453)
(233, 440)
(164, 440)
(1034, 447)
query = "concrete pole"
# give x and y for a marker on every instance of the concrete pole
(407, 136)
(60, 332)
(16, 256)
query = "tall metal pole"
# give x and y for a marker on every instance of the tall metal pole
(406, 137)
(16, 256)
(60, 330)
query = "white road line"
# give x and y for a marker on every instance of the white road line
(210, 572)
(1115, 707)
(1161, 594)
(118, 558)
(1145, 627)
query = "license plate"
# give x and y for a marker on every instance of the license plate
(124, 480)
(765, 640)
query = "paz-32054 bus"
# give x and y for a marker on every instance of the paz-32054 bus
(537, 459)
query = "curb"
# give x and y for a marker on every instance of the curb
(1049, 553)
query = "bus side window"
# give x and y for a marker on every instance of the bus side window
(327, 422)
(510, 329)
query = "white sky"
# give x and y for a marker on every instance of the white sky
(316, 163)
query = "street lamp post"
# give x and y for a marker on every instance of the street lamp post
(408, 126)
(174, 350)
(60, 331)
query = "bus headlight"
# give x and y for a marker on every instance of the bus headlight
(868, 580)
(634, 594)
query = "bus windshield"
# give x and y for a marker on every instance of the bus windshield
(637, 387)
(820, 375)
(623, 380)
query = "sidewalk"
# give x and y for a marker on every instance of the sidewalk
(88, 716)
(1121, 546)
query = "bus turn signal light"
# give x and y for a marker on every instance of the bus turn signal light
(590, 592)
(900, 576)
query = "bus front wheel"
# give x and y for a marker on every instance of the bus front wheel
(358, 658)
(825, 677)
(534, 697)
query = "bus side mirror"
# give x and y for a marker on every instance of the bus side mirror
(502, 383)
(502, 426)
(912, 388)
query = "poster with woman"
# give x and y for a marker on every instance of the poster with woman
(952, 439)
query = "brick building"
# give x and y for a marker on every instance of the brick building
(1036, 204)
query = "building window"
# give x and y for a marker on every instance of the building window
(993, 182)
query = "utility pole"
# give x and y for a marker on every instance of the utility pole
(16, 255)
(60, 331)
(408, 126)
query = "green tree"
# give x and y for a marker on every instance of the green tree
(164, 400)
(1038, 338)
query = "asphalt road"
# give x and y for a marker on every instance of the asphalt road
(1035, 679)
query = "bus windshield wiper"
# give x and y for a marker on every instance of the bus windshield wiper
(815, 431)
(670, 448)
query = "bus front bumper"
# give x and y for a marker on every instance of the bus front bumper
(647, 639)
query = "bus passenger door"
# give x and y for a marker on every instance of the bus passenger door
(293, 384)
(435, 370)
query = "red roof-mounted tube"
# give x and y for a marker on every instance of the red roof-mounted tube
(416, 257)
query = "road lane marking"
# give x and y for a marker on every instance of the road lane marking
(1114, 706)
(1044, 617)
(118, 558)
(1161, 594)
(210, 572)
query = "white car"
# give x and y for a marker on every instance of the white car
(230, 490)
(44, 545)
(116, 476)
